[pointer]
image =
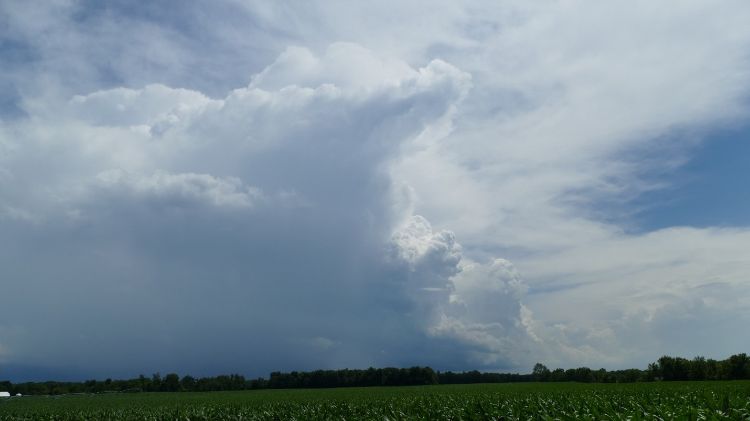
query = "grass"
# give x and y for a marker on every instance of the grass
(537, 401)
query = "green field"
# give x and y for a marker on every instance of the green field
(522, 401)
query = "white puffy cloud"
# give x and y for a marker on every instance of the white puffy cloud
(180, 189)
(487, 316)
(130, 107)
(476, 306)
(348, 65)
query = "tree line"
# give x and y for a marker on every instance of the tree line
(736, 367)
(277, 380)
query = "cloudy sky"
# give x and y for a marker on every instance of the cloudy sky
(216, 187)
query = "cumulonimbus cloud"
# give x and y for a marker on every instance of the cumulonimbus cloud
(264, 217)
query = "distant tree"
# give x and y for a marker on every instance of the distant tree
(738, 367)
(171, 383)
(653, 372)
(697, 369)
(144, 383)
(602, 376)
(557, 375)
(6, 386)
(187, 383)
(713, 369)
(540, 372)
(583, 374)
(674, 368)
(155, 382)
(667, 368)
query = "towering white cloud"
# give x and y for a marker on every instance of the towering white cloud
(258, 218)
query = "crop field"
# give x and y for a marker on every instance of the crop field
(527, 401)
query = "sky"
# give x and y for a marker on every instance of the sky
(246, 187)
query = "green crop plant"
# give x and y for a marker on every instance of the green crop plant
(528, 401)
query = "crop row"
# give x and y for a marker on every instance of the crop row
(689, 403)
